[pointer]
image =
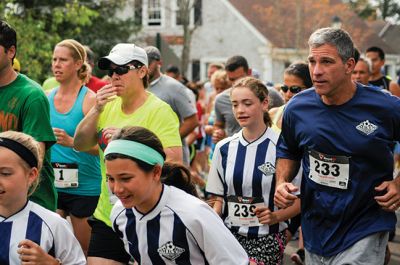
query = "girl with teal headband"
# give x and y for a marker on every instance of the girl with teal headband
(158, 223)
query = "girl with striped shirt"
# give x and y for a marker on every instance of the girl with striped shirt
(161, 224)
(29, 233)
(242, 176)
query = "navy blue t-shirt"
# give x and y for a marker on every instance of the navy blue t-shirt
(353, 141)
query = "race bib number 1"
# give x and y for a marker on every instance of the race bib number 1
(241, 210)
(66, 175)
(329, 170)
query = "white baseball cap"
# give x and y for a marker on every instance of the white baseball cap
(123, 53)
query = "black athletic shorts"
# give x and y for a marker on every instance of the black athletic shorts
(105, 243)
(77, 205)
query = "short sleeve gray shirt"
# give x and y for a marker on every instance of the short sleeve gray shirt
(174, 93)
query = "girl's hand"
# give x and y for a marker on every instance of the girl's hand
(63, 138)
(265, 216)
(32, 254)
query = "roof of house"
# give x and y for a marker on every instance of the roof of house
(388, 32)
(288, 24)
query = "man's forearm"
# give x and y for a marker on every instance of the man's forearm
(286, 170)
(394, 88)
(188, 125)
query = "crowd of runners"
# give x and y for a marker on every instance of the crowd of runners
(145, 167)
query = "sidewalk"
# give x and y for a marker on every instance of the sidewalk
(394, 247)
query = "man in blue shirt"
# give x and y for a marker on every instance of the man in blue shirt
(343, 133)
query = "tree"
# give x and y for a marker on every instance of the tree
(388, 10)
(41, 24)
(107, 29)
(363, 8)
(184, 13)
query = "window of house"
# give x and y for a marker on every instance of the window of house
(154, 12)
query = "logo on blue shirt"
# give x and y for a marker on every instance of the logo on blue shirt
(366, 127)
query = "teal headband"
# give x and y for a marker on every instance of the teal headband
(136, 150)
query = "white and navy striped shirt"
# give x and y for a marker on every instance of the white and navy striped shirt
(235, 171)
(181, 229)
(43, 227)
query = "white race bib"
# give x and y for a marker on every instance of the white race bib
(329, 170)
(241, 210)
(65, 175)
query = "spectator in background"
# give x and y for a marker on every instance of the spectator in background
(219, 82)
(196, 139)
(174, 72)
(25, 108)
(377, 57)
(225, 123)
(175, 94)
(398, 77)
(16, 65)
(94, 82)
(211, 69)
(296, 78)
(362, 71)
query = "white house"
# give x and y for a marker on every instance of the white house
(270, 34)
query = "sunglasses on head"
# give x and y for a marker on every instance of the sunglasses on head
(293, 89)
(121, 70)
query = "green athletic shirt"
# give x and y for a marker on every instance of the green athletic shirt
(155, 115)
(24, 107)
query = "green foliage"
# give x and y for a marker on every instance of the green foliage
(389, 9)
(41, 24)
(373, 9)
(107, 29)
(363, 8)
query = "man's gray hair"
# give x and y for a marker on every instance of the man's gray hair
(335, 37)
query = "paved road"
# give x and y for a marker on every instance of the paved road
(394, 247)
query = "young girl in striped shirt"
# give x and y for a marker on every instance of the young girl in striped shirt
(161, 224)
(29, 233)
(242, 176)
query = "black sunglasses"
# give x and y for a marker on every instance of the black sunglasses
(121, 70)
(293, 89)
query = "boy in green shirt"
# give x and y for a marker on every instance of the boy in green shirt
(25, 108)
